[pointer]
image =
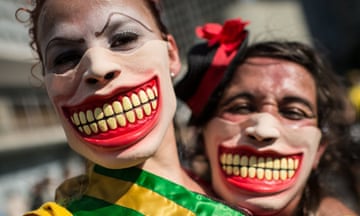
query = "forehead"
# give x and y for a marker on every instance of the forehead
(82, 14)
(275, 74)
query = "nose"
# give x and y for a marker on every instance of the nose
(100, 66)
(262, 128)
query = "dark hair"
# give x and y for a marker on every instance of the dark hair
(37, 5)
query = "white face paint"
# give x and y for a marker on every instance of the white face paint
(107, 72)
(265, 140)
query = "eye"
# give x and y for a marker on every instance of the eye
(125, 41)
(242, 109)
(66, 60)
(295, 114)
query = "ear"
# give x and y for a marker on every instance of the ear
(320, 151)
(175, 63)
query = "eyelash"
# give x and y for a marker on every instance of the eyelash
(66, 57)
(124, 40)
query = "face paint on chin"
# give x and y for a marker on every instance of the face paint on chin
(258, 176)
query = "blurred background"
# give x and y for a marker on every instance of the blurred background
(34, 156)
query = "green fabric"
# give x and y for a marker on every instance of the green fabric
(196, 203)
(89, 206)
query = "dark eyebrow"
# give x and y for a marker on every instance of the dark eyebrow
(245, 95)
(99, 33)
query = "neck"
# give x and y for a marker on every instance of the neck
(166, 163)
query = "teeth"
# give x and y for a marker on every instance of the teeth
(111, 123)
(150, 94)
(108, 110)
(143, 97)
(244, 172)
(99, 114)
(90, 116)
(121, 120)
(130, 116)
(94, 127)
(260, 173)
(135, 100)
(147, 109)
(244, 161)
(76, 119)
(118, 113)
(236, 161)
(259, 167)
(127, 103)
(117, 107)
(82, 118)
(102, 125)
(87, 130)
(252, 172)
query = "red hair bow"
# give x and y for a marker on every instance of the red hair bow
(229, 36)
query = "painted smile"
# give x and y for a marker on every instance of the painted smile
(117, 121)
(262, 173)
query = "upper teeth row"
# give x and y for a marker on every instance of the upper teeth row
(283, 163)
(118, 113)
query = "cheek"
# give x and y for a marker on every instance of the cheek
(211, 143)
(308, 139)
(59, 86)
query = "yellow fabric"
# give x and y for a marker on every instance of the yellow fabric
(49, 209)
(354, 96)
(111, 193)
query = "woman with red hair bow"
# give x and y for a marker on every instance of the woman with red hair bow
(265, 115)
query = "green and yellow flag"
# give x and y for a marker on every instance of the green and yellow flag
(135, 192)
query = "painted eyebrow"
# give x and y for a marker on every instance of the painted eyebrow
(99, 33)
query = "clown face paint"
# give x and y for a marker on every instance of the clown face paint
(265, 140)
(107, 73)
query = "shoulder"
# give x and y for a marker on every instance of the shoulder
(334, 207)
(49, 209)
(71, 189)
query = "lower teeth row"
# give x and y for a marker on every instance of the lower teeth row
(259, 173)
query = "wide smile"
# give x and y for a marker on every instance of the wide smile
(258, 172)
(119, 120)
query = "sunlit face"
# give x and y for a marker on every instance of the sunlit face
(264, 141)
(107, 72)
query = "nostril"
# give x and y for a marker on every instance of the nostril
(109, 75)
(268, 139)
(260, 138)
(97, 78)
(252, 137)
(91, 81)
